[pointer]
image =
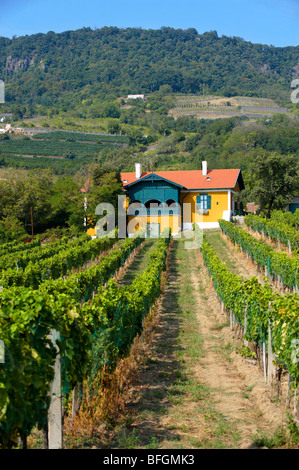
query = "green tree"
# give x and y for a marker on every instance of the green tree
(23, 195)
(11, 229)
(114, 127)
(105, 187)
(67, 203)
(135, 136)
(111, 110)
(273, 182)
(17, 114)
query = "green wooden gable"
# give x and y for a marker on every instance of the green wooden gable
(153, 187)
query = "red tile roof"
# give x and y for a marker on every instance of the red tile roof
(252, 207)
(192, 179)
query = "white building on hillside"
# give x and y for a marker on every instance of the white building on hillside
(135, 97)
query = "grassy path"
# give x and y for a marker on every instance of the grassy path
(138, 264)
(276, 245)
(231, 255)
(222, 250)
(238, 261)
(192, 389)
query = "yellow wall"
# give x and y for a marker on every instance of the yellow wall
(139, 222)
(219, 203)
(91, 232)
(136, 223)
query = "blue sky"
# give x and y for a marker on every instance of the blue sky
(259, 21)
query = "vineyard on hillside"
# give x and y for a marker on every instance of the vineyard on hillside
(62, 151)
(59, 144)
(216, 106)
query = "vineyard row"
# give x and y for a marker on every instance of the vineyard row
(77, 136)
(258, 308)
(56, 266)
(277, 231)
(91, 335)
(50, 148)
(33, 254)
(278, 265)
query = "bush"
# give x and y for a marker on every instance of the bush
(11, 229)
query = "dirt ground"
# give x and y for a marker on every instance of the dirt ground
(192, 389)
(240, 391)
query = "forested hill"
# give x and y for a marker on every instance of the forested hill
(66, 68)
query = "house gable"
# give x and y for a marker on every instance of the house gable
(153, 187)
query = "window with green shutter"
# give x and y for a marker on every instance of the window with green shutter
(203, 201)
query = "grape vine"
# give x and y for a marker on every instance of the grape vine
(277, 231)
(278, 264)
(91, 332)
(260, 304)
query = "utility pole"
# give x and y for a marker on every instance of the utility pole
(85, 209)
(31, 222)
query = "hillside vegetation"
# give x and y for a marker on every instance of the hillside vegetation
(78, 67)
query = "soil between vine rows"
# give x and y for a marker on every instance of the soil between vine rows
(192, 389)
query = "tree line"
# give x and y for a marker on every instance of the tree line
(38, 202)
(60, 70)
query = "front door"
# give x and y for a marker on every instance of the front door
(152, 230)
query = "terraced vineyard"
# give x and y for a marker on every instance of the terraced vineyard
(214, 106)
(52, 146)
(63, 151)
(80, 137)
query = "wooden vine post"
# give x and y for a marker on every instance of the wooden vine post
(271, 372)
(231, 318)
(55, 436)
(264, 360)
(77, 399)
(246, 342)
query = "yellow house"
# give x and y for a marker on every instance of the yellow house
(181, 198)
(178, 199)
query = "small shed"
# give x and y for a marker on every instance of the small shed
(293, 205)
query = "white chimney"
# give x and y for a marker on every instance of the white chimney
(204, 168)
(138, 168)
